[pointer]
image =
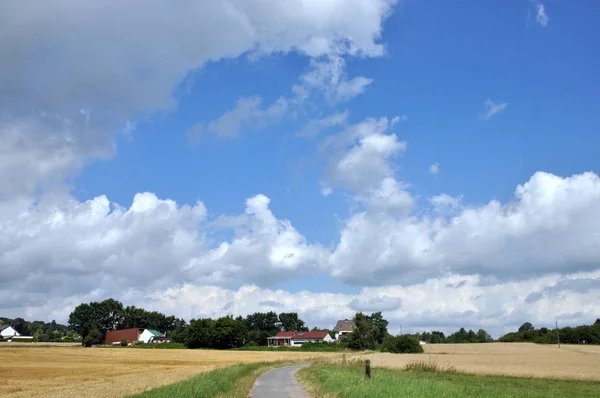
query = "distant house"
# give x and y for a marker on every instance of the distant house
(296, 339)
(343, 328)
(7, 332)
(115, 337)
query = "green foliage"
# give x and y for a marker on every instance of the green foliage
(52, 331)
(349, 382)
(225, 332)
(370, 332)
(403, 344)
(291, 323)
(584, 334)
(94, 337)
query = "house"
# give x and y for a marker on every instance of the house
(296, 339)
(115, 337)
(7, 332)
(343, 328)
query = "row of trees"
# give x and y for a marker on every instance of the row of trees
(40, 330)
(461, 336)
(96, 318)
(584, 334)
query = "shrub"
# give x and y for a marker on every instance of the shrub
(124, 343)
(403, 344)
(94, 337)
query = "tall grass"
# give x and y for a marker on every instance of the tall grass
(428, 379)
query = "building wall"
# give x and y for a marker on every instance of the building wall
(114, 336)
(146, 336)
(9, 332)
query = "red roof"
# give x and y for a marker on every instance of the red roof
(303, 335)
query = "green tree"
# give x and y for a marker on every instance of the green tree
(200, 333)
(370, 331)
(401, 344)
(290, 322)
(526, 327)
(229, 333)
(94, 337)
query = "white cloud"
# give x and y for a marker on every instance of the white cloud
(315, 126)
(445, 303)
(248, 114)
(540, 14)
(434, 168)
(493, 108)
(120, 61)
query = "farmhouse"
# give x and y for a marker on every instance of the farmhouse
(8, 332)
(343, 328)
(296, 339)
(115, 337)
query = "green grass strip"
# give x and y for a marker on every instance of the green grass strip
(328, 381)
(231, 382)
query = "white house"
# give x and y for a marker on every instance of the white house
(7, 332)
(149, 335)
(297, 339)
(343, 328)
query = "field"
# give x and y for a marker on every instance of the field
(112, 372)
(514, 359)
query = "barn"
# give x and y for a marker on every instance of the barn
(114, 337)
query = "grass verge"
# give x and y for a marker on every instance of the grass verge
(432, 380)
(231, 382)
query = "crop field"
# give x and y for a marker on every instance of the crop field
(514, 359)
(111, 372)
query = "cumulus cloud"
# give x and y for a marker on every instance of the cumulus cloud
(122, 60)
(493, 108)
(69, 247)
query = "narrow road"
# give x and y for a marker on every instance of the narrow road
(279, 382)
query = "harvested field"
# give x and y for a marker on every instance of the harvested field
(111, 372)
(515, 359)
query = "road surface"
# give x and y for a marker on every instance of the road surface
(279, 383)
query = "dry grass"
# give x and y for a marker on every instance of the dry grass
(96, 372)
(515, 359)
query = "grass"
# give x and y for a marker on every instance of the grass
(432, 380)
(232, 382)
(323, 347)
(162, 346)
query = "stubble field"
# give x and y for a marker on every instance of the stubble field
(96, 372)
(112, 372)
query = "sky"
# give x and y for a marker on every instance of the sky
(433, 160)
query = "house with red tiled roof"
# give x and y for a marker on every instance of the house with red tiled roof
(296, 339)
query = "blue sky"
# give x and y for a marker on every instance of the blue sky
(533, 62)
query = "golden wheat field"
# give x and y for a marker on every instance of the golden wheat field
(96, 372)
(111, 372)
(515, 359)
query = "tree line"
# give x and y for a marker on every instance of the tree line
(40, 330)
(459, 337)
(583, 334)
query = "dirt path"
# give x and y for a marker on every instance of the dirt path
(279, 383)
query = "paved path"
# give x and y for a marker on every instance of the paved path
(279, 382)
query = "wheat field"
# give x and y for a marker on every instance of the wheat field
(514, 359)
(112, 372)
(115, 372)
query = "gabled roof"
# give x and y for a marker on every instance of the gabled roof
(155, 332)
(303, 335)
(2, 327)
(345, 325)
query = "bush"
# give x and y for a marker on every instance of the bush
(94, 337)
(124, 343)
(403, 344)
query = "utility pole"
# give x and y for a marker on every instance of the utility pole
(557, 336)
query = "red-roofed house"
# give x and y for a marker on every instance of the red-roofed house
(296, 339)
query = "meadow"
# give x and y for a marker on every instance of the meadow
(97, 372)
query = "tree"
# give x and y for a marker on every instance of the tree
(291, 323)
(261, 325)
(483, 337)
(526, 327)
(379, 326)
(229, 333)
(94, 337)
(370, 331)
(200, 333)
(401, 344)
